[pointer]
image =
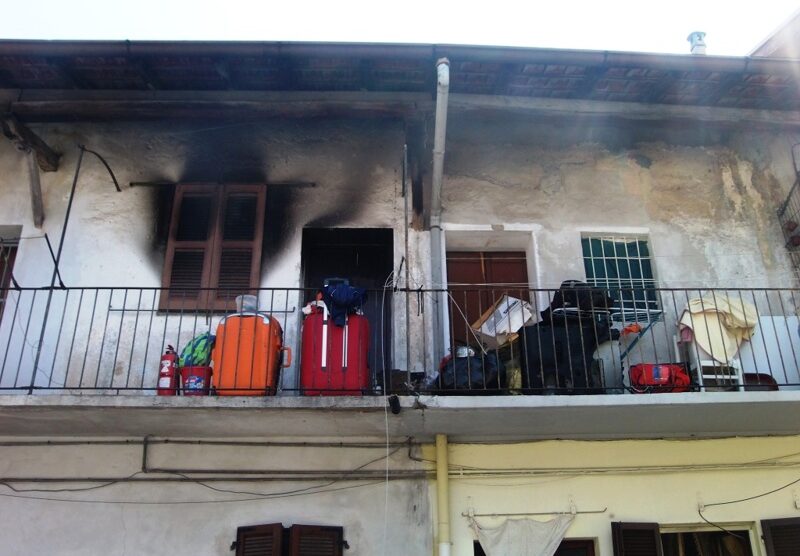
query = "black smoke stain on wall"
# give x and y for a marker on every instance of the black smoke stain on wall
(232, 154)
(279, 220)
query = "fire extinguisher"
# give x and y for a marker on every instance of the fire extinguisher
(168, 373)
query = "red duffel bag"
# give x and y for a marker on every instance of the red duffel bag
(650, 378)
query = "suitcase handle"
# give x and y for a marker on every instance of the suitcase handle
(288, 362)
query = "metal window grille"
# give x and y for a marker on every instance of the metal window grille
(623, 265)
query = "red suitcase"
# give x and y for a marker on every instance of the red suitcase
(648, 378)
(334, 358)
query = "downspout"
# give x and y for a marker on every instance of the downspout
(442, 495)
(437, 257)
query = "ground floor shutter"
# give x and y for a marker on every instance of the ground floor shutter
(782, 536)
(313, 540)
(636, 539)
(259, 540)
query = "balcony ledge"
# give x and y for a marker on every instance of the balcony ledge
(464, 418)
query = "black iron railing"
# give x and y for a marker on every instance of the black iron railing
(498, 340)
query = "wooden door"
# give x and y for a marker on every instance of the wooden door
(476, 280)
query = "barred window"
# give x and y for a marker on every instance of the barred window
(623, 265)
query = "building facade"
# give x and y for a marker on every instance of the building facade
(440, 179)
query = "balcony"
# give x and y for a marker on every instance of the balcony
(68, 355)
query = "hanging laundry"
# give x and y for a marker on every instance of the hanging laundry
(719, 324)
(522, 537)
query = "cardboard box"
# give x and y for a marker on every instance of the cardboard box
(500, 322)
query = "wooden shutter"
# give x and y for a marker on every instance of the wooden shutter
(236, 266)
(636, 539)
(782, 536)
(187, 267)
(314, 540)
(7, 254)
(214, 241)
(259, 540)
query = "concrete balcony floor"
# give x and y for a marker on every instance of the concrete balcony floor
(464, 418)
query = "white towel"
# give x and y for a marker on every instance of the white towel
(523, 537)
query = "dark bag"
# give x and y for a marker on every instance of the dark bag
(473, 373)
(579, 301)
(559, 355)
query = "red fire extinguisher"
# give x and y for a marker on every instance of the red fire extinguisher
(168, 373)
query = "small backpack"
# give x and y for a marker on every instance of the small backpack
(197, 353)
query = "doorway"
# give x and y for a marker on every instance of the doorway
(476, 280)
(365, 257)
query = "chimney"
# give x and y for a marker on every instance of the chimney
(697, 42)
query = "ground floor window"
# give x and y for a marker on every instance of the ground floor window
(568, 547)
(781, 538)
(273, 539)
(702, 543)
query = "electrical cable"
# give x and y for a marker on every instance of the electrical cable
(773, 491)
(705, 506)
(186, 502)
(388, 283)
(267, 494)
(206, 485)
(720, 527)
(314, 489)
(80, 489)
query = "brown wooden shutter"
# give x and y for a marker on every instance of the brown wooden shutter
(187, 267)
(636, 539)
(215, 239)
(314, 540)
(782, 536)
(259, 540)
(236, 267)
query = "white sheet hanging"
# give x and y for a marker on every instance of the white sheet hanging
(523, 537)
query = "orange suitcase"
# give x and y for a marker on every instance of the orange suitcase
(247, 355)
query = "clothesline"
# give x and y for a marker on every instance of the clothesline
(519, 514)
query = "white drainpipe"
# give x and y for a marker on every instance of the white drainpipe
(437, 256)
(443, 494)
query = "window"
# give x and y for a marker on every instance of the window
(9, 238)
(646, 539)
(568, 547)
(624, 267)
(298, 540)
(214, 241)
(781, 536)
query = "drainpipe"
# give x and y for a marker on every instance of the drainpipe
(437, 257)
(442, 494)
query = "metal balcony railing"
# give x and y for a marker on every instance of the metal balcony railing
(574, 341)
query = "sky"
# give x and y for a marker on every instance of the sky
(733, 28)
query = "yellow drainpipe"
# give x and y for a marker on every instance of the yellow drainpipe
(443, 494)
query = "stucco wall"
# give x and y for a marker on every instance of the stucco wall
(186, 518)
(707, 204)
(704, 198)
(634, 481)
(112, 239)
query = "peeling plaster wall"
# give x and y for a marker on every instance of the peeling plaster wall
(708, 208)
(207, 527)
(112, 241)
(705, 199)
